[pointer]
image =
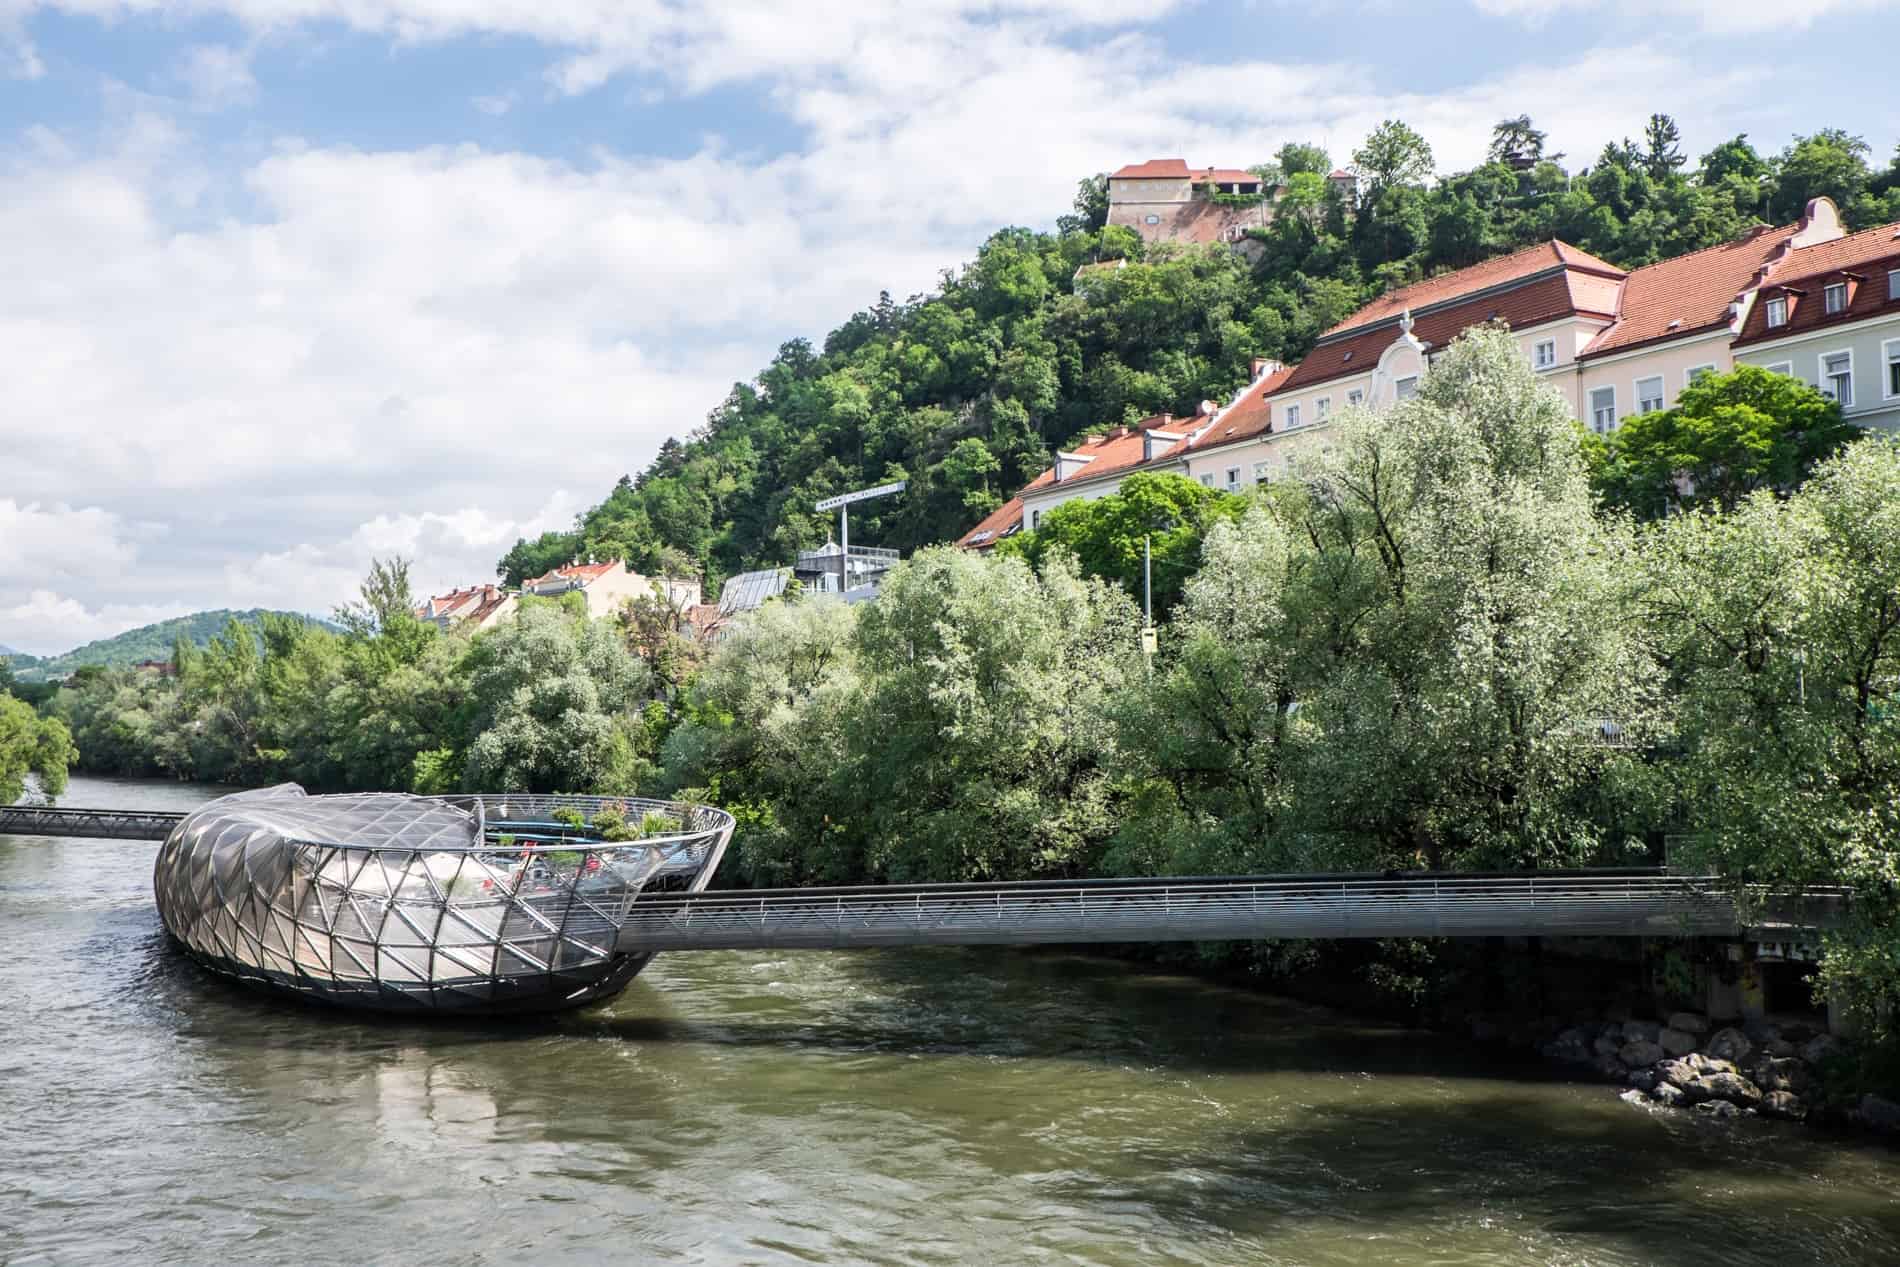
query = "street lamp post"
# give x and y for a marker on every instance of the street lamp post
(842, 503)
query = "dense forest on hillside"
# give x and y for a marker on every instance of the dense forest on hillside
(147, 642)
(965, 392)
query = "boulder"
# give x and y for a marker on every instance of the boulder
(1878, 1113)
(1689, 1022)
(1781, 1073)
(1645, 1079)
(1729, 1044)
(1819, 1048)
(1777, 1046)
(1641, 1031)
(1677, 1072)
(1783, 1104)
(1634, 1097)
(1724, 1086)
(1676, 1042)
(1668, 1094)
(1639, 1052)
(1610, 1067)
(1607, 1046)
(1718, 1108)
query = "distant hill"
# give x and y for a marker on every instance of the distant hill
(148, 642)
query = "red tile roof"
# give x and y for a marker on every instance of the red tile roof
(1545, 299)
(582, 572)
(993, 527)
(1869, 255)
(1227, 175)
(1247, 417)
(1690, 293)
(1516, 267)
(1154, 169)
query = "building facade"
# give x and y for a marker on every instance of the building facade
(610, 586)
(1804, 298)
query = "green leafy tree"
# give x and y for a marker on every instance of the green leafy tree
(1090, 211)
(32, 745)
(1517, 142)
(555, 706)
(527, 559)
(1830, 164)
(1394, 154)
(1662, 147)
(1105, 535)
(1297, 156)
(981, 739)
(1726, 436)
(1463, 645)
(1788, 717)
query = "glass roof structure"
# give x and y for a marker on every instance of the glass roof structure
(468, 903)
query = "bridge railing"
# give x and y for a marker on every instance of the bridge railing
(1615, 905)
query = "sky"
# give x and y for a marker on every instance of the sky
(286, 285)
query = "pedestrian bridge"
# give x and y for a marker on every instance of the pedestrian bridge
(1605, 903)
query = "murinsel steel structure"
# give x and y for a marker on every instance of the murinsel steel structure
(472, 904)
(503, 903)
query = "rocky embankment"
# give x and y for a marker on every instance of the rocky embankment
(1758, 1069)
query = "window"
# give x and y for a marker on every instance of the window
(1035, 520)
(1233, 479)
(1834, 297)
(1649, 394)
(1259, 472)
(1603, 410)
(1322, 407)
(1893, 284)
(1292, 416)
(1406, 388)
(1355, 398)
(1837, 377)
(1544, 355)
(1891, 352)
(1694, 372)
(1777, 313)
(1151, 218)
(1781, 367)
(1207, 480)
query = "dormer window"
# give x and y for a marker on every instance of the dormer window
(1834, 298)
(1292, 416)
(1893, 284)
(1777, 312)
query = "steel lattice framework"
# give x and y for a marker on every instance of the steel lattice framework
(466, 903)
(1586, 904)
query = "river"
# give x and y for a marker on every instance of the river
(930, 1107)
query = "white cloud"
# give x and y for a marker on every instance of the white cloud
(328, 353)
(42, 543)
(218, 77)
(48, 623)
(1722, 17)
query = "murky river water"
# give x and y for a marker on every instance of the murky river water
(938, 1106)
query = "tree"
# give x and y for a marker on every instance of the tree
(1105, 535)
(1788, 721)
(1297, 156)
(1517, 143)
(1830, 163)
(1463, 642)
(32, 745)
(1207, 740)
(981, 744)
(528, 559)
(383, 600)
(1726, 436)
(554, 704)
(1090, 210)
(1393, 154)
(1662, 147)
(1733, 157)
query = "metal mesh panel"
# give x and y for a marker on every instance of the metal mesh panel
(465, 903)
